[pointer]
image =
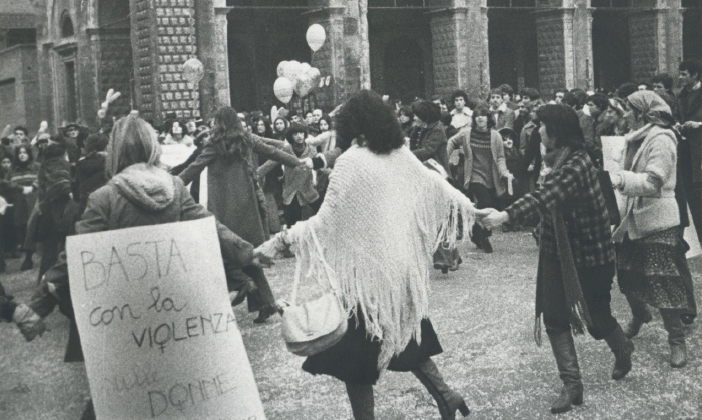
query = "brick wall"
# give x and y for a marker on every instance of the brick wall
(643, 33)
(448, 60)
(551, 50)
(166, 38)
(115, 68)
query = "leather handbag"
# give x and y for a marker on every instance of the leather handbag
(316, 325)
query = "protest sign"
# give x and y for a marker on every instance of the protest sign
(612, 148)
(158, 333)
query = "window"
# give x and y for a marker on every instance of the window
(66, 25)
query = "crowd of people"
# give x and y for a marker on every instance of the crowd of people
(375, 187)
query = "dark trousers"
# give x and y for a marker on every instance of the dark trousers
(263, 296)
(293, 211)
(693, 192)
(596, 284)
(482, 197)
(51, 248)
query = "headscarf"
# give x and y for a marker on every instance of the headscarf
(653, 107)
(132, 141)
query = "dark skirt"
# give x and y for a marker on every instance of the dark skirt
(354, 359)
(649, 270)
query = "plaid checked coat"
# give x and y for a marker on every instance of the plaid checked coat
(575, 188)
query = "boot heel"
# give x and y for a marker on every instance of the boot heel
(463, 408)
(578, 400)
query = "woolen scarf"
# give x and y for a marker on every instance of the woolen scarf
(377, 231)
(577, 307)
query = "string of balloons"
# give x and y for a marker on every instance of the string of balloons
(300, 78)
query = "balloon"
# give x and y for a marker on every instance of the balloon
(304, 85)
(292, 70)
(315, 75)
(316, 35)
(283, 89)
(193, 70)
(281, 68)
(305, 67)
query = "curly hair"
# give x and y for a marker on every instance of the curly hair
(428, 112)
(228, 135)
(562, 124)
(365, 114)
(295, 128)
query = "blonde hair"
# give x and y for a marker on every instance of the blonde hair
(132, 141)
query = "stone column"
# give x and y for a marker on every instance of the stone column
(341, 56)
(564, 37)
(163, 38)
(656, 40)
(460, 48)
(211, 25)
(582, 46)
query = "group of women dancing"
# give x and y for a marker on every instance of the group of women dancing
(385, 214)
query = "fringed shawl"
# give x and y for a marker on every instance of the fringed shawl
(382, 218)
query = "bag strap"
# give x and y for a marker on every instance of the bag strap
(327, 268)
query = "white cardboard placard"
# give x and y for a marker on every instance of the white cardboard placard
(158, 333)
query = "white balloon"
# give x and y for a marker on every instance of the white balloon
(283, 89)
(304, 85)
(305, 67)
(316, 35)
(292, 70)
(281, 68)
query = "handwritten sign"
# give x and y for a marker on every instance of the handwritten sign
(158, 333)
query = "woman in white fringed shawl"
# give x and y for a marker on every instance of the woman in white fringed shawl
(374, 237)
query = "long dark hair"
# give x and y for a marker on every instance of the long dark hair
(228, 135)
(365, 114)
(562, 124)
(17, 162)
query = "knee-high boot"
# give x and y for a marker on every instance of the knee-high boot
(448, 400)
(569, 371)
(622, 348)
(676, 337)
(362, 402)
(641, 315)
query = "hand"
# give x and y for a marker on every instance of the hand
(495, 219)
(261, 261)
(530, 168)
(386, 98)
(308, 162)
(481, 213)
(29, 323)
(692, 125)
(616, 180)
(43, 126)
(27, 190)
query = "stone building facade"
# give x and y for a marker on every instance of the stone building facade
(400, 47)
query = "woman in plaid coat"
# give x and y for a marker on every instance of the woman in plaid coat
(576, 256)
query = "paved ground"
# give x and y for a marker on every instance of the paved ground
(484, 317)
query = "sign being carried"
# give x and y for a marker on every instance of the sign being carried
(158, 333)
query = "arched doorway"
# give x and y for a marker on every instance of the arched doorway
(513, 58)
(241, 76)
(611, 51)
(404, 68)
(116, 64)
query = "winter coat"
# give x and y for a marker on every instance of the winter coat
(24, 176)
(648, 186)
(298, 181)
(90, 175)
(233, 191)
(499, 166)
(431, 144)
(689, 108)
(140, 195)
